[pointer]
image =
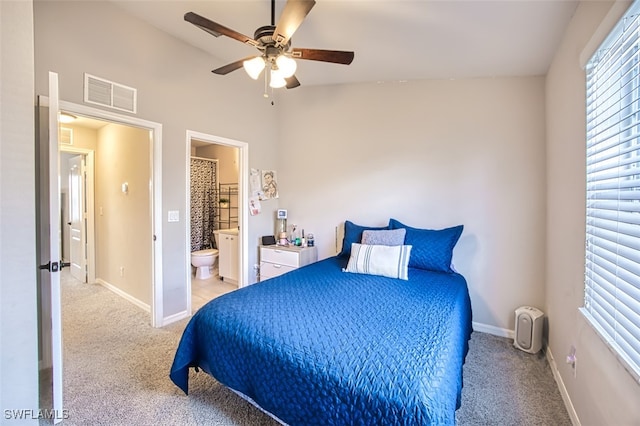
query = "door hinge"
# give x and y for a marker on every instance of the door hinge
(54, 266)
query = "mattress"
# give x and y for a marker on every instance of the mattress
(322, 346)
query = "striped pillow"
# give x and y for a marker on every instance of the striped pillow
(387, 261)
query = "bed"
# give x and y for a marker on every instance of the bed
(331, 346)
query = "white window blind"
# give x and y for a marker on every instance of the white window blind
(612, 264)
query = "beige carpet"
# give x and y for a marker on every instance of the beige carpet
(117, 373)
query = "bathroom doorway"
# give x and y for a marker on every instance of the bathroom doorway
(216, 215)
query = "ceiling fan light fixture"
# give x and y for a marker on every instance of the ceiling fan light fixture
(277, 79)
(286, 65)
(254, 67)
(274, 43)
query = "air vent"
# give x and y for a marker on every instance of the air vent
(66, 136)
(107, 93)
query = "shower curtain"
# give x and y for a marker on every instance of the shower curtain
(204, 202)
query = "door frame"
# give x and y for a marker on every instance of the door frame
(89, 195)
(157, 317)
(243, 200)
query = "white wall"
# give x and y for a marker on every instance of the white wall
(175, 87)
(431, 154)
(18, 316)
(602, 393)
(228, 163)
(122, 220)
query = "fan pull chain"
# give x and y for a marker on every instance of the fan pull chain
(266, 83)
(267, 76)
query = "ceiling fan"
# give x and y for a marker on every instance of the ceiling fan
(274, 43)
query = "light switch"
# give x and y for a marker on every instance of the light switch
(174, 216)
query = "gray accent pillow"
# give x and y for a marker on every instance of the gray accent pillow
(391, 237)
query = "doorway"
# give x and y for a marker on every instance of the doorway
(121, 252)
(143, 186)
(216, 214)
(77, 178)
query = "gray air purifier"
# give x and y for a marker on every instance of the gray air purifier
(528, 333)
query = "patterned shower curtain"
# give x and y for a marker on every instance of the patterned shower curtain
(204, 201)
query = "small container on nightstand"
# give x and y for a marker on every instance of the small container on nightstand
(276, 260)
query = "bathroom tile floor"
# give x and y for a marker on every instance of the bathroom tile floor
(203, 291)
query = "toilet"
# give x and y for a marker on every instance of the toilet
(203, 260)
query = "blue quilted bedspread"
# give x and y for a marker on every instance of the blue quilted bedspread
(326, 347)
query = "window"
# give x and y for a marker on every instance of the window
(612, 260)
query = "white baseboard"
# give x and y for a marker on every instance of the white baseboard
(124, 295)
(490, 329)
(562, 388)
(174, 318)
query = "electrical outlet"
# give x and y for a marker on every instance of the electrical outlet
(122, 271)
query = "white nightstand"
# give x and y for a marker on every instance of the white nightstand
(276, 260)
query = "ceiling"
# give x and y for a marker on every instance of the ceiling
(87, 122)
(393, 40)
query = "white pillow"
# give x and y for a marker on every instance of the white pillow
(387, 261)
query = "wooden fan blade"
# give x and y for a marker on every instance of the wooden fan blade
(231, 67)
(334, 56)
(292, 82)
(292, 16)
(216, 29)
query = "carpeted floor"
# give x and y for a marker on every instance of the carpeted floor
(116, 373)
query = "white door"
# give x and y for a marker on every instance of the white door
(77, 219)
(50, 255)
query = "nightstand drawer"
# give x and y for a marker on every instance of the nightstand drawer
(276, 260)
(281, 257)
(270, 270)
